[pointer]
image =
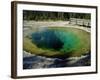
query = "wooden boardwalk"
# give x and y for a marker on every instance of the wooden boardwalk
(80, 22)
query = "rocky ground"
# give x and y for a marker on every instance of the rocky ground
(36, 24)
(31, 61)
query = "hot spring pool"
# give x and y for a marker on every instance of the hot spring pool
(64, 40)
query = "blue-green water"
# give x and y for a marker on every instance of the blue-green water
(69, 39)
(57, 39)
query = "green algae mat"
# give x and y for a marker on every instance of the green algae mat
(58, 42)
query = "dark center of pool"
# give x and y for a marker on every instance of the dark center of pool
(47, 39)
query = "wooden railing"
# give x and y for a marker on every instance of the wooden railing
(81, 22)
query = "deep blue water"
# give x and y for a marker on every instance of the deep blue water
(47, 39)
(60, 40)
